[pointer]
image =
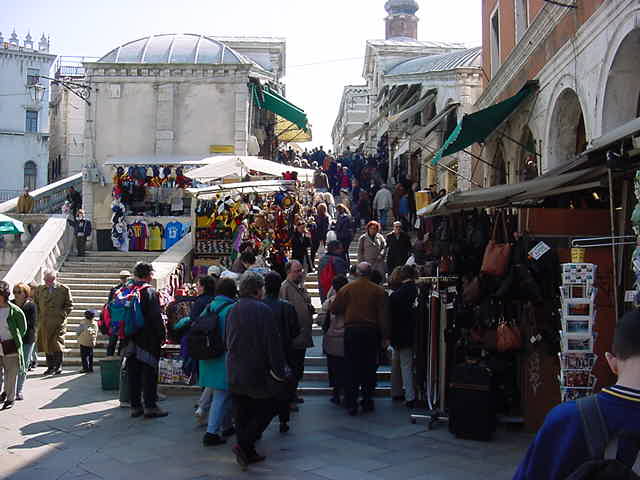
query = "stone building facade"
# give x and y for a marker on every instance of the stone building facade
(352, 115)
(585, 60)
(165, 98)
(24, 113)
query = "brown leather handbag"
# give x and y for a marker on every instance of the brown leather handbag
(471, 291)
(508, 337)
(496, 256)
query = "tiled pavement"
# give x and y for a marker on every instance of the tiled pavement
(68, 428)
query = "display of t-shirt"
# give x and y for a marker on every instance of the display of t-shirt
(138, 236)
(173, 232)
(156, 232)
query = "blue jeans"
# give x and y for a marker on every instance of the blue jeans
(220, 412)
(27, 351)
(382, 217)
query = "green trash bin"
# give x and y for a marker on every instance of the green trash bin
(110, 373)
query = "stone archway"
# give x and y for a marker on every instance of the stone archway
(621, 101)
(566, 129)
(499, 170)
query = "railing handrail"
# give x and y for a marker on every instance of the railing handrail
(47, 250)
(44, 192)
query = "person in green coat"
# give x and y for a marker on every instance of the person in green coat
(213, 373)
(13, 326)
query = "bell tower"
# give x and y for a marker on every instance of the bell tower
(401, 21)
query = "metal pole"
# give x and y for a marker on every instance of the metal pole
(613, 246)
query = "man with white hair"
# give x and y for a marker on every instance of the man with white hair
(363, 304)
(54, 304)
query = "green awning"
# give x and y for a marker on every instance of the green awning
(267, 99)
(477, 126)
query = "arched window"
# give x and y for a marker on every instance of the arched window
(30, 175)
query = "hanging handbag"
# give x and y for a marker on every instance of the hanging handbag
(508, 337)
(496, 256)
(471, 291)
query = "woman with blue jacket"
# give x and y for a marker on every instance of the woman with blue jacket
(213, 373)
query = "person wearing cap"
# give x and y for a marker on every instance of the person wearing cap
(124, 275)
(87, 336)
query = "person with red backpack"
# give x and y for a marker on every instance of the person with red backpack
(597, 437)
(144, 344)
(331, 265)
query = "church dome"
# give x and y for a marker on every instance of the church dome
(396, 7)
(184, 48)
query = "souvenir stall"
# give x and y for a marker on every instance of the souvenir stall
(501, 250)
(228, 215)
(150, 207)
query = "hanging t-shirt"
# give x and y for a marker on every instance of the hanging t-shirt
(177, 201)
(156, 232)
(139, 234)
(172, 234)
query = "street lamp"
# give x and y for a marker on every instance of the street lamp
(37, 93)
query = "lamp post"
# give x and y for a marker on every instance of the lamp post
(37, 93)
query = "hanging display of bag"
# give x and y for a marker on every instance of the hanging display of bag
(471, 291)
(508, 337)
(496, 256)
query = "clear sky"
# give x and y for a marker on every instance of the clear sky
(325, 39)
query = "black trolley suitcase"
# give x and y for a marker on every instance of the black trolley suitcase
(472, 402)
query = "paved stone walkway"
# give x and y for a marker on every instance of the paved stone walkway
(68, 428)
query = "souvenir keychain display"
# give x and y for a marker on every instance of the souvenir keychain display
(578, 293)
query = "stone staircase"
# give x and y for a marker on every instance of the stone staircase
(90, 278)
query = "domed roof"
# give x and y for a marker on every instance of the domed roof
(174, 48)
(438, 63)
(394, 7)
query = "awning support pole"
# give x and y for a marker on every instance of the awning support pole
(520, 144)
(421, 145)
(479, 159)
(613, 245)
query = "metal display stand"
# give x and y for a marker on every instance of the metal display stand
(435, 391)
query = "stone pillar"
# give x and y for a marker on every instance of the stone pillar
(241, 122)
(165, 119)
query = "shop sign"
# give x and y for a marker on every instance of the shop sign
(222, 149)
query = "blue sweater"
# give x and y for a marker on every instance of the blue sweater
(560, 446)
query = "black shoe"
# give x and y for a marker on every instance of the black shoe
(154, 413)
(57, 371)
(48, 371)
(137, 412)
(411, 404)
(298, 400)
(7, 405)
(398, 398)
(3, 396)
(284, 427)
(212, 439)
(255, 457)
(353, 411)
(84, 370)
(241, 457)
(228, 432)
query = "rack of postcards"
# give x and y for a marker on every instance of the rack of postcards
(578, 336)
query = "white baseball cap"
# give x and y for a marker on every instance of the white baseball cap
(125, 273)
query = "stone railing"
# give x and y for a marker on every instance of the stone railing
(167, 263)
(48, 199)
(47, 250)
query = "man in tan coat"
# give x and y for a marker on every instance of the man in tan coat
(54, 304)
(293, 291)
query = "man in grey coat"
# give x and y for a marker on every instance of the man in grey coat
(255, 361)
(293, 291)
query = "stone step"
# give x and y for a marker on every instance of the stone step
(304, 389)
(117, 254)
(95, 288)
(93, 277)
(113, 271)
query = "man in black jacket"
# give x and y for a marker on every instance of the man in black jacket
(144, 347)
(398, 247)
(255, 362)
(287, 319)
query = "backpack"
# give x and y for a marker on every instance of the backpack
(601, 465)
(326, 277)
(204, 340)
(105, 320)
(125, 310)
